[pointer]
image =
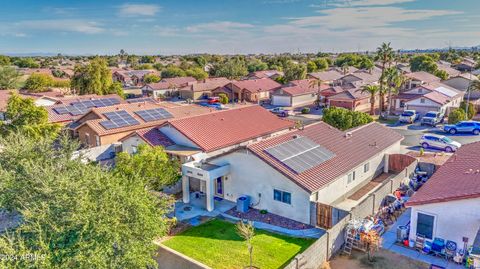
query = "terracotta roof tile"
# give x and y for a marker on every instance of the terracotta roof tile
(458, 178)
(154, 137)
(423, 76)
(257, 85)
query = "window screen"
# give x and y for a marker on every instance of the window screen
(425, 225)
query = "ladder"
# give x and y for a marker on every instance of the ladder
(349, 243)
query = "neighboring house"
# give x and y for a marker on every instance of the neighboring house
(107, 125)
(47, 98)
(448, 205)
(70, 108)
(298, 93)
(416, 79)
(328, 77)
(202, 89)
(166, 87)
(467, 65)
(460, 82)
(252, 90)
(447, 67)
(273, 74)
(351, 98)
(130, 78)
(434, 96)
(360, 77)
(287, 173)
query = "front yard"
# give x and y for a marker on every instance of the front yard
(217, 244)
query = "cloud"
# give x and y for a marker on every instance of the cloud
(219, 26)
(62, 25)
(361, 3)
(134, 10)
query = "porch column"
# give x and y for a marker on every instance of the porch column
(186, 189)
(210, 194)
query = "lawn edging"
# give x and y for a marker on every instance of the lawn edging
(181, 261)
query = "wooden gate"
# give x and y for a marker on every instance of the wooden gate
(324, 216)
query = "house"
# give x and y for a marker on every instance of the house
(287, 173)
(460, 82)
(360, 77)
(466, 65)
(298, 93)
(416, 79)
(328, 76)
(251, 90)
(273, 74)
(70, 108)
(107, 125)
(434, 96)
(447, 67)
(166, 87)
(447, 206)
(350, 97)
(130, 78)
(202, 89)
(209, 134)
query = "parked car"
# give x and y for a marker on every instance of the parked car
(213, 100)
(408, 116)
(280, 112)
(463, 127)
(439, 142)
(217, 106)
(432, 118)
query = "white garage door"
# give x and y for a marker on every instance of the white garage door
(278, 100)
(422, 110)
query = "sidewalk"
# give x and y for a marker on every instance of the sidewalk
(390, 236)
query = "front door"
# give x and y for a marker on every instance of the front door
(219, 186)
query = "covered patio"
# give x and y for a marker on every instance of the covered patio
(196, 207)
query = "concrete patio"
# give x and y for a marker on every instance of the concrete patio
(390, 236)
(197, 207)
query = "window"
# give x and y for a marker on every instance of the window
(282, 196)
(420, 90)
(97, 140)
(402, 103)
(366, 167)
(351, 177)
(422, 100)
(134, 149)
(425, 225)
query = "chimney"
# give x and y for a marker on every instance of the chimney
(348, 135)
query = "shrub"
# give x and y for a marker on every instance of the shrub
(456, 115)
(471, 109)
(344, 119)
(38, 82)
(305, 110)
(223, 98)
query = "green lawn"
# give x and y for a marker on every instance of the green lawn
(217, 245)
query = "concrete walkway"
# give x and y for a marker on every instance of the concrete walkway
(390, 237)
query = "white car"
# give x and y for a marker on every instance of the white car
(439, 142)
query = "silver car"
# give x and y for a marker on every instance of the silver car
(439, 142)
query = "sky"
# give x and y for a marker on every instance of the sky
(234, 26)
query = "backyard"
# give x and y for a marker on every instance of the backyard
(383, 259)
(217, 244)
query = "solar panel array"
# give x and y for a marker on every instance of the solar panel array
(82, 107)
(118, 119)
(300, 154)
(154, 114)
(141, 100)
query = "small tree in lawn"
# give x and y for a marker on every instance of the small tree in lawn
(223, 98)
(247, 231)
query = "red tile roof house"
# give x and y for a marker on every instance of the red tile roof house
(351, 98)
(298, 93)
(448, 205)
(252, 90)
(202, 89)
(166, 87)
(273, 74)
(416, 79)
(286, 173)
(131, 77)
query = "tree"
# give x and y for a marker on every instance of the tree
(367, 64)
(442, 74)
(456, 116)
(256, 65)
(321, 63)
(423, 62)
(143, 67)
(345, 119)
(75, 215)
(4, 60)
(385, 55)
(173, 71)
(196, 72)
(24, 116)
(116, 88)
(393, 80)
(469, 109)
(234, 68)
(247, 232)
(201, 61)
(373, 90)
(9, 78)
(147, 59)
(223, 98)
(316, 84)
(38, 82)
(294, 71)
(151, 165)
(92, 78)
(371, 239)
(151, 78)
(26, 63)
(311, 66)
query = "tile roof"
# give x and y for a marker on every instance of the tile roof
(153, 137)
(445, 66)
(423, 76)
(458, 178)
(265, 73)
(257, 85)
(300, 87)
(179, 81)
(350, 94)
(226, 128)
(364, 143)
(329, 75)
(208, 84)
(176, 111)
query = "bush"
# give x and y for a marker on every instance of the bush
(305, 110)
(151, 78)
(38, 82)
(345, 119)
(223, 98)
(471, 109)
(456, 115)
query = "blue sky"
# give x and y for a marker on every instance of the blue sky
(234, 26)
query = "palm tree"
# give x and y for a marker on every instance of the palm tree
(373, 90)
(316, 83)
(345, 68)
(385, 55)
(393, 80)
(473, 87)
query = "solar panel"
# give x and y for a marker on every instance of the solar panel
(141, 100)
(300, 154)
(61, 110)
(154, 114)
(118, 119)
(82, 107)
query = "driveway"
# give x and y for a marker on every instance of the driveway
(413, 133)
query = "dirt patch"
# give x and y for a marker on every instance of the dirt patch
(383, 259)
(267, 217)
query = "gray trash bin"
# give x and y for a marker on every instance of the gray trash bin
(243, 202)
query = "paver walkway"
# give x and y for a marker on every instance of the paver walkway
(390, 236)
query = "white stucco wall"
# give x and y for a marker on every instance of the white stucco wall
(453, 219)
(129, 143)
(340, 189)
(177, 137)
(251, 176)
